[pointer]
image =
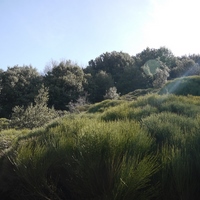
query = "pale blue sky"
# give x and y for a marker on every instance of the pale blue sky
(38, 31)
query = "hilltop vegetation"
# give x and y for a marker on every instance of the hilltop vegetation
(182, 86)
(108, 76)
(125, 127)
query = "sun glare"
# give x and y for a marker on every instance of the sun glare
(173, 23)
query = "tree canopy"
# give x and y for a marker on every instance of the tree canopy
(19, 85)
(67, 82)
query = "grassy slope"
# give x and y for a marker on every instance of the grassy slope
(142, 149)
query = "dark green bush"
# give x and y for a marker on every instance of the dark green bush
(182, 86)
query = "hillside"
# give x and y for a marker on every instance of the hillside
(147, 148)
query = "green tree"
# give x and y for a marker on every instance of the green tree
(157, 70)
(195, 58)
(35, 115)
(164, 54)
(119, 67)
(65, 82)
(19, 86)
(98, 85)
(184, 67)
(112, 63)
(133, 78)
(160, 77)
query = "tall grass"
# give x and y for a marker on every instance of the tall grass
(179, 174)
(170, 127)
(178, 140)
(144, 149)
(102, 106)
(152, 104)
(85, 159)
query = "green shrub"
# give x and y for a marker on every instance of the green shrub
(154, 100)
(9, 137)
(119, 112)
(35, 115)
(182, 105)
(141, 112)
(170, 127)
(138, 93)
(124, 112)
(182, 86)
(4, 123)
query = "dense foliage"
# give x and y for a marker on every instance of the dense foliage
(35, 115)
(67, 82)
(18, 87)
(183, 86)
(142, 149)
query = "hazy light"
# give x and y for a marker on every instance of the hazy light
(174, 24)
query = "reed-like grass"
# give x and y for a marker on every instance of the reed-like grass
(144, 149)
(152, 104)
(85, 159)
(170, 127)
(102, 106)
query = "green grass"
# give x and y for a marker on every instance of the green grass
(138, 93)
(84, 159)
(151, 104)
(102, 106)
(142, 149)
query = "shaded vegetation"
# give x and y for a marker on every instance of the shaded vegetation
(108, 76)
(183, 86)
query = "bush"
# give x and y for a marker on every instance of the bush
(111, 93)
(169, 127)
(182, 86)
(126, 111)
(119, 112)
(4, 123)
(35, 115)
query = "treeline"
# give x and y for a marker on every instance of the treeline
(65, 83)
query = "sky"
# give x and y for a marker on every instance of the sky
(37, 32)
